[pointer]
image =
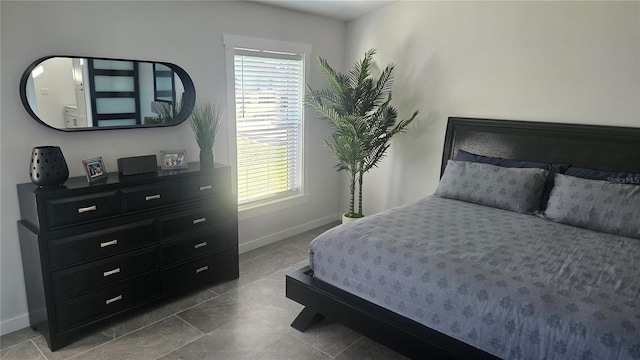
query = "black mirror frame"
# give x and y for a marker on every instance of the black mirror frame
(188, 100)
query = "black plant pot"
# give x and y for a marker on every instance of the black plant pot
(48, 167)
(206, 159)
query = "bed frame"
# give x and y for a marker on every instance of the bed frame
(592, 146)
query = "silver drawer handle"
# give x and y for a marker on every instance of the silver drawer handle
(111, 272)
(208, 187)
(204, 268)
(88, 208)
(198, 221)
(152, 197)
(109, 301)
(109, 243)
(198, 246)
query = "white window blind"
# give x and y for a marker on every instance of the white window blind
(269, 90)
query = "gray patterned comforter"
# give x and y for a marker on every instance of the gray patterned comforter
(514, 285)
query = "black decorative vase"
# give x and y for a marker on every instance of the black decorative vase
(48, 167)
(206, 159)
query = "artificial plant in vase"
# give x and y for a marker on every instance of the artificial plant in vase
(358, 107)
(205, 121)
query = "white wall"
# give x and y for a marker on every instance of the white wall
(573, 62)
(188, 34)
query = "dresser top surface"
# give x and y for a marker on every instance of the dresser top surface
(115, 180)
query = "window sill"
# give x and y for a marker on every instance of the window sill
(251, 211)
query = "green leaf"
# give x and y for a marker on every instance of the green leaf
(205, 122)
(363, 121)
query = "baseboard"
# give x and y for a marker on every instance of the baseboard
(15, 324)
(281, 235)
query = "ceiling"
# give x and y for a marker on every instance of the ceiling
(343, 10)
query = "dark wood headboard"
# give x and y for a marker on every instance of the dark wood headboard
(592, 146)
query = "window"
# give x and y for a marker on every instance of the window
(269, 109)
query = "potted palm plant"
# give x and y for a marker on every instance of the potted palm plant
(359, 109)
(205, 121)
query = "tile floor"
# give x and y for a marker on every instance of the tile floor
(247, 318)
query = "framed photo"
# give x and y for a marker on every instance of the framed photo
(174, 159)
(94, 168)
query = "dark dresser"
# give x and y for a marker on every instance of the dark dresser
(91, 252)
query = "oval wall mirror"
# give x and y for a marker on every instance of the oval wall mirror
(77, 94)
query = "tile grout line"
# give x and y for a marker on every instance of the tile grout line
(204, 334)
(140, 328)
(186, 322)
(194, 305)
(134, 330)
(180, 347)
(214, 293)
(128, 333)
(269, 253)
(95, 347)
(263, 277)
(24, 342)
(350, 346)
(125, 334)
(16, 344)
(330, 356)
(37, 348)
(315, 347)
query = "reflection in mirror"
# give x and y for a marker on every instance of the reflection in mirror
(69, 93)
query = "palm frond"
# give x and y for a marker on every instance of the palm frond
(358, 107)
(361, 70)
(385, 82)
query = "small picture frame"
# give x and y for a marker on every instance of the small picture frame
(95, 169)
(173, 159)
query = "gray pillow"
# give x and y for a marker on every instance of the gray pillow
(595, 204)
(515, 189)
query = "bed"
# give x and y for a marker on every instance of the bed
(475, 274)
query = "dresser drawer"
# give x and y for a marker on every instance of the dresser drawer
(100, 244)
(205, 186)
(210, 268)
(196, 245)
(106, 301)
(93, 252)
(79, 209)
(149, 196)
(97, 274)
(190, 222)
